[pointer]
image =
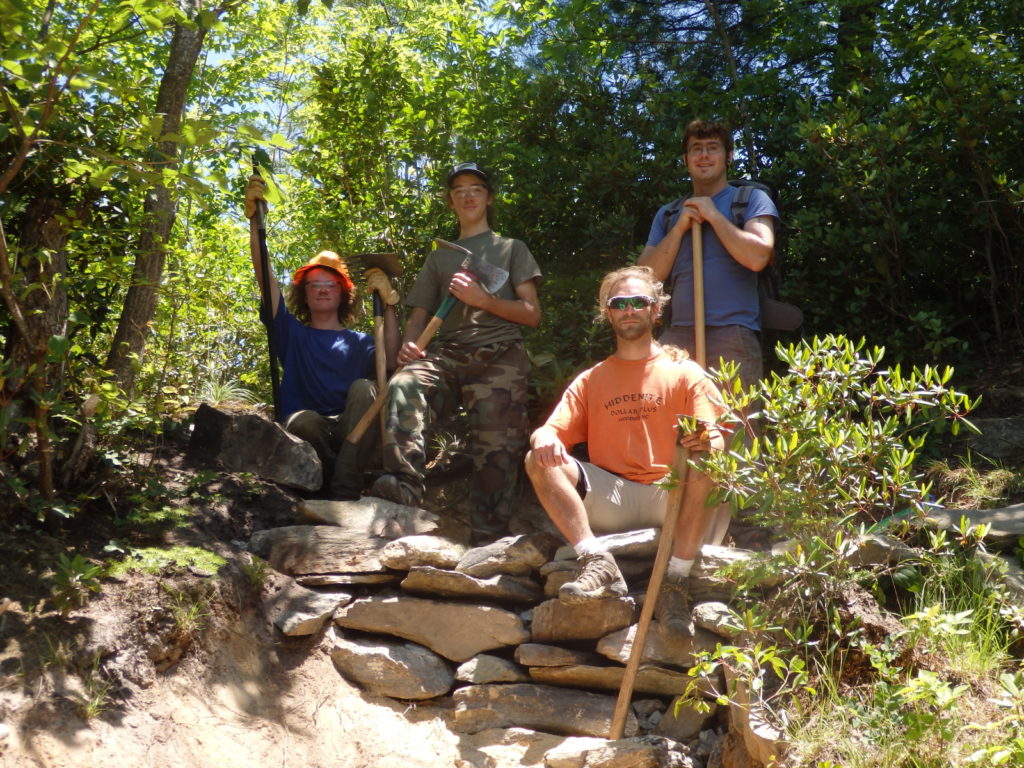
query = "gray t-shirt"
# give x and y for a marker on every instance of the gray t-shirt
(466, 325)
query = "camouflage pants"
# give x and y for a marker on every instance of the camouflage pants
(343, 463)
(491, 384)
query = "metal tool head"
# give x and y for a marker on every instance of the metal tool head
(389, 263)
(490, 276)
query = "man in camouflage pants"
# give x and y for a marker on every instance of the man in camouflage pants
(477, 361)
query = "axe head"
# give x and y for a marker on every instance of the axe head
(388, 263)
(490, 277)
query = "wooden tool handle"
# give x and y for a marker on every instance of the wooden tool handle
(668, 532)
(700, 344)
(382, 395)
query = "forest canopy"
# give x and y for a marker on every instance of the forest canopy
(128, 129)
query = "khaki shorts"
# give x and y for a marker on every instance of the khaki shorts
(615, 504)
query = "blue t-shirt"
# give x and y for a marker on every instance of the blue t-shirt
(318, 366)
(730, 289)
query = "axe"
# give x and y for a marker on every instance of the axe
(490, 277)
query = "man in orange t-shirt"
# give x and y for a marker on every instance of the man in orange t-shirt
(625, 408)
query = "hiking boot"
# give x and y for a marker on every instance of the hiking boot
(393, 488)
(675, 619)
(599, 577)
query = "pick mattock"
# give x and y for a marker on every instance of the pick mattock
(490, 277)
(681, 468)
(390, 265)
(268, 308)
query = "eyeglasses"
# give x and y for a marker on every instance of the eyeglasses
(696, 150)
(630, 302)
(323, 285)
(473, 190)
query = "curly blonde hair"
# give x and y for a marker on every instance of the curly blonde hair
(646, 274)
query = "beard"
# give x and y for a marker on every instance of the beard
(631, 331)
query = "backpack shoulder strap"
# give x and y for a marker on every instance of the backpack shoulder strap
(673, 211)
(738, 209)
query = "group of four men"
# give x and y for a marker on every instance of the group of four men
(625, 408)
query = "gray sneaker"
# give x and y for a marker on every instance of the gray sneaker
(599, 577)
(675, 619)
(393, 488)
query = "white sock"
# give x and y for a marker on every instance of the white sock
(678, 569)
(589, 546)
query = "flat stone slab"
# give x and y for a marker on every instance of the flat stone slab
(502, 588)
(1000, 438)
(410, 551)
(390, 668)
(347, 579)
(486, 668)
(298, 611)
(642, 543)
(553, 620)
(513, 555)
(649, 679)
(541, 707)
(457, 631)
(1007, 522)
(301, 549)
(540, 655)
(369, 516)
(657, 650)
(648, 751)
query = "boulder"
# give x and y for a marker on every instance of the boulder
(245, 442)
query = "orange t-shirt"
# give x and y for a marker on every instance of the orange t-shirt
(625, 410)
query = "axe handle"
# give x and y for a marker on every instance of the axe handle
(382, 395)
(665, 541)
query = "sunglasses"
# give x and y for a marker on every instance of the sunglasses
(323, 285)
(630, 302)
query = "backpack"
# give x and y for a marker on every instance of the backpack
(775, 315)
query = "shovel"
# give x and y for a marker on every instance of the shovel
(490, 277)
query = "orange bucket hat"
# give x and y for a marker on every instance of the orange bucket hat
(327, 260)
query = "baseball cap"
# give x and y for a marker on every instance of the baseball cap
(468, 168)
(327, 260)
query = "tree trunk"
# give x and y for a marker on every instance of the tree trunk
(44, 310)
(855, 59)
(159, 211)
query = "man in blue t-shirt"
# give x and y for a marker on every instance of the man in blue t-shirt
(325, 365)
(732, 256)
